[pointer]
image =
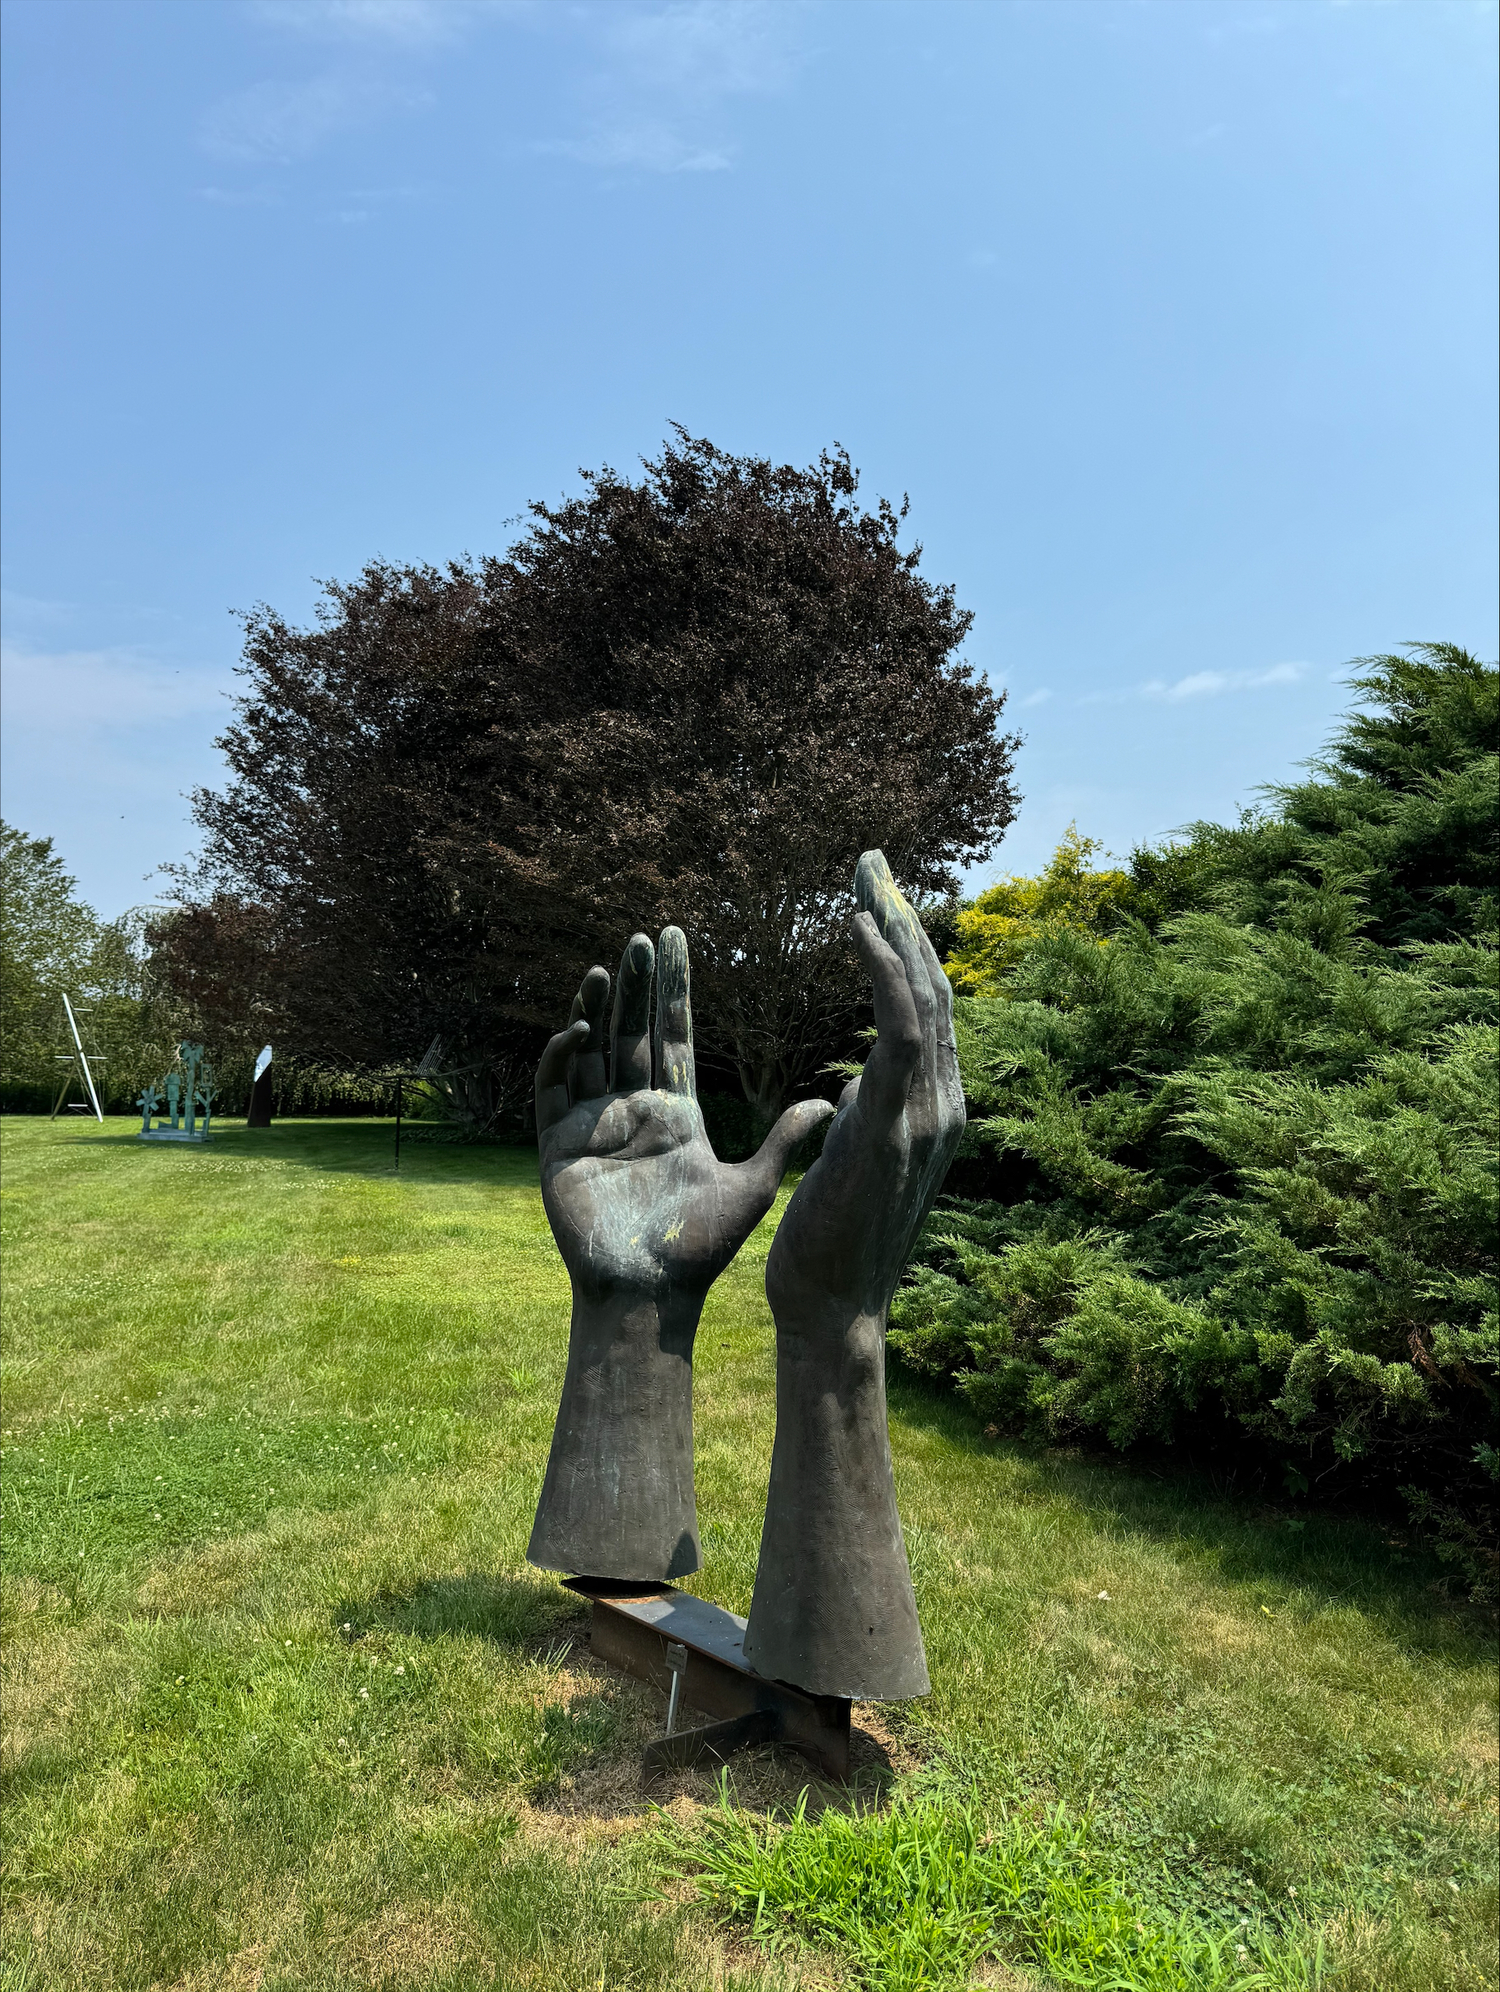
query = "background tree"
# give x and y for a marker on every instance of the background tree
(51, 941)
(993, 931)
(693, 698)
(47, 940)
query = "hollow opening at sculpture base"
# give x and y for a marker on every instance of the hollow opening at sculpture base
(616, 1587)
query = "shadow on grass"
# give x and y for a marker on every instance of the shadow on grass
(513, 1612)
(537, 1622)
(36, 1768)
(1360, 1559)
(363, 1147)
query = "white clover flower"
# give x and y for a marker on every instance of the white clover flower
(364, 1694)
(400, 1670)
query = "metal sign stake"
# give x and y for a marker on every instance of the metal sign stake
(424, 1070)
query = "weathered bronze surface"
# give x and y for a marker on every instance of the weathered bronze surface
(833, 1608)
(646, 1218)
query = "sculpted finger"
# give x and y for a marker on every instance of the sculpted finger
(630, 1025)
(758, 1179)
(888, 1071)
(948, 1080)
(877, 893)
(552, 1075)
(590, 1079)
(942, 990)
(674, 1016)
(570, 1079)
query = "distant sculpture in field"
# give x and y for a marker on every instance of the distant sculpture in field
(646, 1218)
(189, 1086)
(833, 1609)
(258, 1112)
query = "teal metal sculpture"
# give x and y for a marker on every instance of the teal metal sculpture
(188, 1087)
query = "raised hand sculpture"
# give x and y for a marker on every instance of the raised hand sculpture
(646, 1218)
(833, 1609)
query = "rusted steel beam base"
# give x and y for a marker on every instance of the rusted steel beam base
(632, 1627)
(716, 1741)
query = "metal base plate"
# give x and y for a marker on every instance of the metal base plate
(716, 1740)
(632, 1626)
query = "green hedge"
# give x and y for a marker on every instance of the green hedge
(1238, 1174)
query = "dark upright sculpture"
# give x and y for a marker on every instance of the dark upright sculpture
(646, 1218)
(258, 1113)
(833, 1609)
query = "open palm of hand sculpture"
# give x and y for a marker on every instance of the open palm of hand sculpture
(833, 1609)
(646, 1217)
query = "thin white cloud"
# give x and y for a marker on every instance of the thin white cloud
(242, 196)
(1200, 685)
(36, 608)
(646, 146)
(705, 48)
(99, 746)
(655, 99)
(1034, 698)
(1212, 684)
(274, 123)
(399, 23)
(651, 91)
(73, 691)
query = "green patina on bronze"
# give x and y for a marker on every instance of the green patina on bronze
(186, 1089)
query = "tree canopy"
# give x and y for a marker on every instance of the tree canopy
(994, 930)
(1232, 1165)
(51, 941)
(691, 698)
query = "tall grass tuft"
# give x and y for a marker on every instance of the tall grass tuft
(916, 1896)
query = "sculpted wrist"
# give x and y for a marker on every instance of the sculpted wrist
(618, 1498)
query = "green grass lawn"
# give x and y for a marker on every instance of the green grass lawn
(285, 1706)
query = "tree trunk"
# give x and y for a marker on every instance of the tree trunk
(764, 1086)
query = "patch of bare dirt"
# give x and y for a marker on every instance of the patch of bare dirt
(611, 1796)
(413, 1946)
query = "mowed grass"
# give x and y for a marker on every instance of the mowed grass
(285, 1706)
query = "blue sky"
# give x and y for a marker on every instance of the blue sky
(1175, 318)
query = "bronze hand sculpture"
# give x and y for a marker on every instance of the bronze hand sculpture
(833, 1609)
(646, 1218)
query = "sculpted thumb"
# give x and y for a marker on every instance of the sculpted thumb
(762, 1174)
